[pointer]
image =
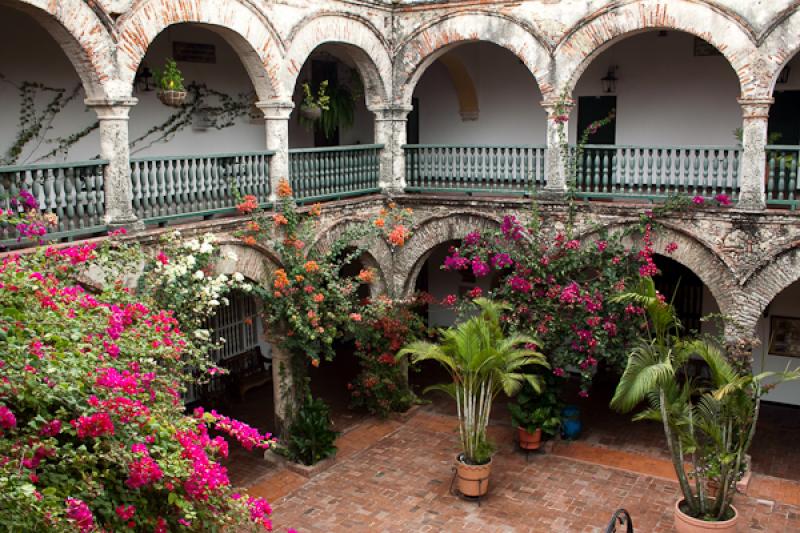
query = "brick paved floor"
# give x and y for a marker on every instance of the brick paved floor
(395, 477)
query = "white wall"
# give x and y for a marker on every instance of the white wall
(785, 304)
(44, 62)
(508, 98)
(665, 95)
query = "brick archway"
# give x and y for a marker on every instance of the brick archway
(591, 36)
(429, 234)
(764, 285)
(377, 253)
(256, 263)
(84, 39)
(362, 42)
(245, 29)
(780, 45)
(423, 47)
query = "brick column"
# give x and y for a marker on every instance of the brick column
(752, 170)
(555, 168)
(390, 130)
(113, 118)
(276, 118)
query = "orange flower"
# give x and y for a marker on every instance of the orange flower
(284, 189)
(318, 298)
(379, 223)
(249, 240)
(281, 280)
(398, 235)
(248, 321)
(311, 266)
(279, 220)
(252, 225)
(366, 276)
(298, 278)
(277, 294)
(248, 205)
(315, 363)
(392, 205)
(316, 210)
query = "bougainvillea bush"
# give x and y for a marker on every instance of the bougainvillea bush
(93, 435)
(561, 289)
(382, 385)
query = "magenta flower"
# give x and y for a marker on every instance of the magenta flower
(479, 268)
(472, 238)
(502, 260)
(7, 418)
(671, 247)
(698, 200)
(723, 199)
(520, 284)
(79, 512)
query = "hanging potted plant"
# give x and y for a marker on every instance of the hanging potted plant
(482, 361)
(535, 416)
(171, 91)
(709, 426)
(314, 104)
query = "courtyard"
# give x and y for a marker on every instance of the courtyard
(396, 476)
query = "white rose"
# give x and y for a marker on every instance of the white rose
(213, 303)
(201, 334)
(206, 248)
(193, 245)
(190, 260)
(199, 274)
(221, 279)
(246, 287)
(238, 277)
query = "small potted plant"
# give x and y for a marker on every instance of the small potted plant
(709, 426)
(314, 104)
(535, 416)
(482, 361)
(171, 91)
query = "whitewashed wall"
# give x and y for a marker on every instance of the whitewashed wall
(785, 304)
(508, 97)
(665, 95)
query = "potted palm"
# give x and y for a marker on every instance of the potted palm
(709, 426)
(482, 361)
(535, 416)
(171, 91)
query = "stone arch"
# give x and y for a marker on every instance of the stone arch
(362, 41)
(377, 253)
(256, 263)
(427, 44)
(84, 39)
(427, 236)
(591, 36)
(694, 255)
(764, 285)
(245, 29)
(780, 45)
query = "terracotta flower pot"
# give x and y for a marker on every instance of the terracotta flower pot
(687, 524)
(530, 441)
(472, 480)
(172, 98)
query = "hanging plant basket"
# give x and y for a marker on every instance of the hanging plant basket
(311, 112)
(172, 98)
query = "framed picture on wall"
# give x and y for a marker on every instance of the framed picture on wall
(784, 336)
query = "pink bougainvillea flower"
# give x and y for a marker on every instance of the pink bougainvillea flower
(723, 199)
(698, 200)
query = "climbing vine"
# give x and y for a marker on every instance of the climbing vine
(35, 122)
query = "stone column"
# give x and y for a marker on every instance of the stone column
(752, 170)
(283, 393)
(113, 118)
(390, 130)
(276, 117)
(555, 168)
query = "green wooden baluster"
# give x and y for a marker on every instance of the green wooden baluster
(782, 176)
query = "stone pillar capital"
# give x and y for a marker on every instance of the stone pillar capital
(111, 109)
(558, 107)
(391, 112)
(276, 109)
(755, 108)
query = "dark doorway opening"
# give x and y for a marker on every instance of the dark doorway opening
(784, 118)
(593, 108)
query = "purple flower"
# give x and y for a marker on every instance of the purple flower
(502, 260)
(479, 268)
(520, 284)
(472, 238)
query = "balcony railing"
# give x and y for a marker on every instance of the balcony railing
(781, 176)
(173, 187)
(337, 172)
(474, 168)
(652, 172)
(72, 191)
